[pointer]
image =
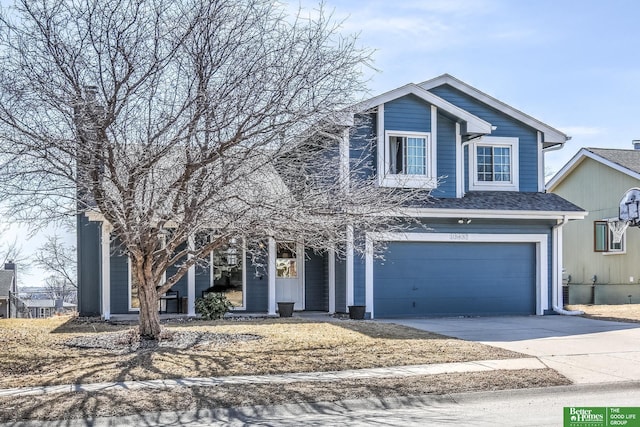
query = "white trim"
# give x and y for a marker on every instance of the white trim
(271, 275)
(474, 124)
(540, 163)
(556, 265)
(105, 266)
(191, 282)
(551, 136)
(129, 283)
(331, 254)
(542, 256)
(459, 164)
(433, 160)
(382, 146)
(428, 180)
(488, 213)
(494, 141)
(344, 160)
(349, 267)
(579, 158)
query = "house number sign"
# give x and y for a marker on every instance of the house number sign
(459, 236)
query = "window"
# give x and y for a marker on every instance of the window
(493, 164)
(228, 274)
(409, 160)
(603, 240)
(286, 261)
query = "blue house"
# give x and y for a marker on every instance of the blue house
(490, 244)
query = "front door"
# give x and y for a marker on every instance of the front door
(289, 274)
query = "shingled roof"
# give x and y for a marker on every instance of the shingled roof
(6, 282)
(629, 159)
(506, 201)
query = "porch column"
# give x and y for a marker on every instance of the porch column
(271, 309)
(105, 274)
(191, 283)
(349, 266)
(331, 254)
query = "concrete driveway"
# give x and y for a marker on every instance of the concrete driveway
(584, 350)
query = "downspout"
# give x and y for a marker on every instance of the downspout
(556, 281)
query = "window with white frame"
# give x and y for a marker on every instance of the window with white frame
(603, 238)
(409, 159)
(494, 164)
(228, 271)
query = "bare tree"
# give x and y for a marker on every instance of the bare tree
(59, 288)
(185, 123)
(58, 259)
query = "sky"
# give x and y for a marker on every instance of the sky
(573, 64)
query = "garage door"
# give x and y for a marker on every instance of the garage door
(453, 279)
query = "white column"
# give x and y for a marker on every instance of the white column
(272, 276)
(368, 275)
(349, 266)
(105, 279)
(191, 283)
(332, 280)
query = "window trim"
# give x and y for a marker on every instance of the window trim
(244, 274)
(608, 241)
(428, 180)
(494, 141)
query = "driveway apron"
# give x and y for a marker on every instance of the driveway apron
(584, 350)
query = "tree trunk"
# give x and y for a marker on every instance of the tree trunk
(149, 317)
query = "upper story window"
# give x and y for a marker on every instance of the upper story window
(494, 164)
(409, 160)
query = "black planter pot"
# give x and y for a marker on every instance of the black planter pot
(356, 312)
(285, 309)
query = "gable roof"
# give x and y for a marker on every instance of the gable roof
(6, 282)
(552, 136)
(624, 161)
(475, 125)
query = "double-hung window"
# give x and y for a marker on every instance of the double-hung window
(603, 238)
(409, 159)
(494, 164)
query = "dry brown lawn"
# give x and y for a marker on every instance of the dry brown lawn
(33, 351)
(622, 312)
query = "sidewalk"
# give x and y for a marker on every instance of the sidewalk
(390, 372)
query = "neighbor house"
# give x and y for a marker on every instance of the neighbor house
(492, 244)
(8, 291)
(598, 268)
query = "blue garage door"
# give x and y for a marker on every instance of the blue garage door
(453, 279)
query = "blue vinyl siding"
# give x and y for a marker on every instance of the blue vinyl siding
(341, 285)
(257, 284)
(408, 113)
(181, 285)
(88, 243)
(505, 126)
(316, 290)
(446, 158)
(362, 145)
(203, 279)
(426, 279)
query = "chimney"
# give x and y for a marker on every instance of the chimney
(636, 144)
(10, 265)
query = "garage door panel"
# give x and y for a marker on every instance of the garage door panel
(430, 279)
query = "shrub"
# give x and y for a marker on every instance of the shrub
(213, 306)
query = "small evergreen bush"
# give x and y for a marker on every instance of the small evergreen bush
(213, 306)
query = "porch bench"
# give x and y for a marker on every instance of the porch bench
(171, 296)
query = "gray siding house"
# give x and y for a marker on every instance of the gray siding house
(492, 244)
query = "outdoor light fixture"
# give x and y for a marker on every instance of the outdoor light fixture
(464, 221)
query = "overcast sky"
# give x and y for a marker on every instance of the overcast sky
(573, 64)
